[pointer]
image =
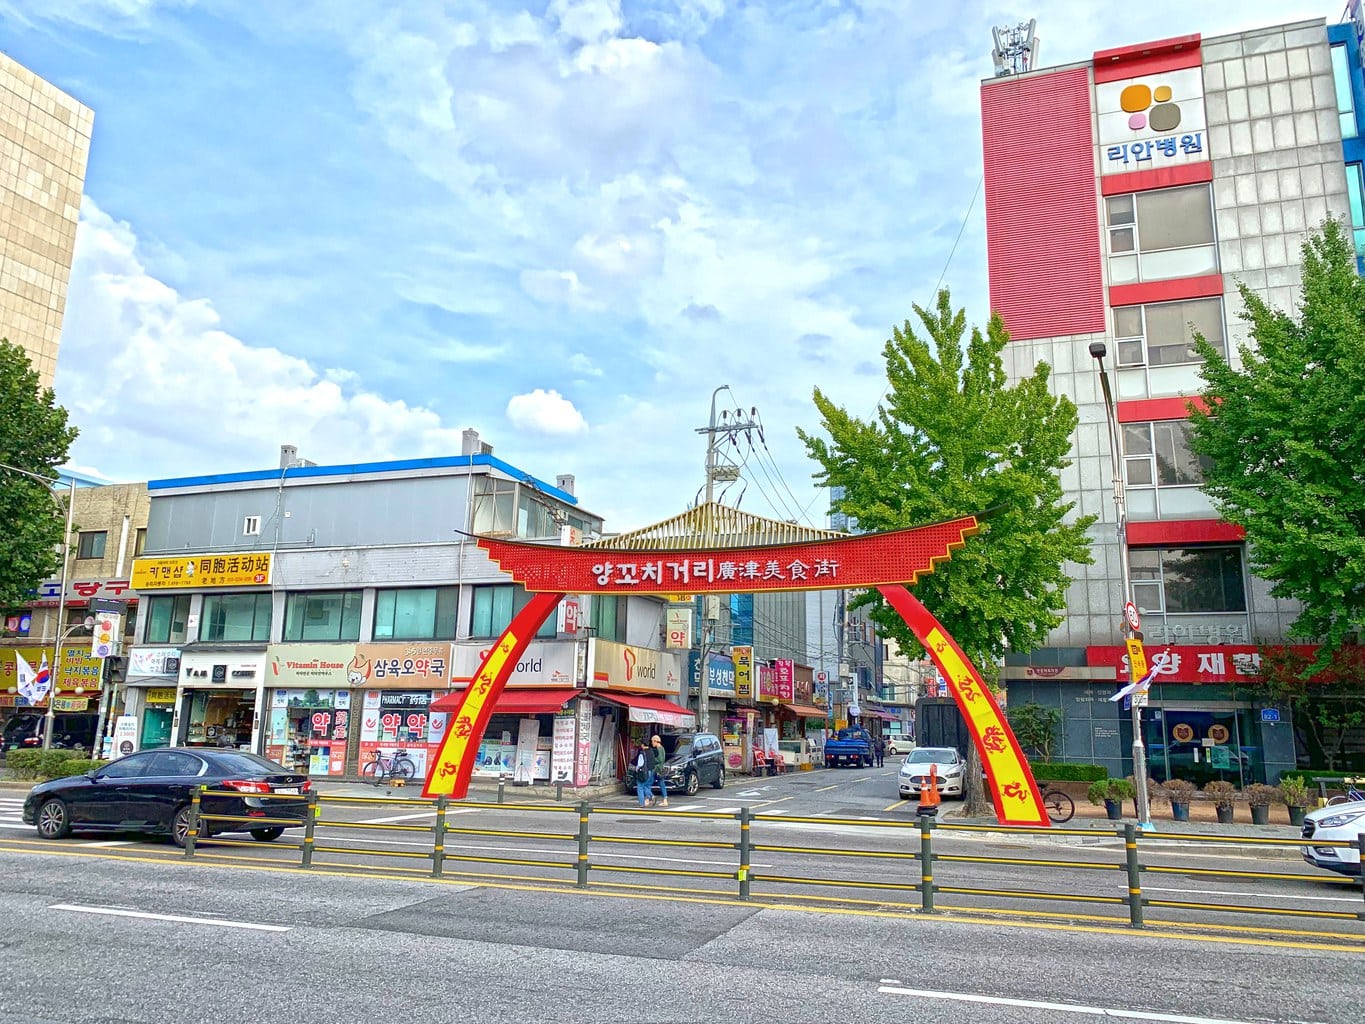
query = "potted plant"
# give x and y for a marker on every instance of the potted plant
(1294, 795)
(1179, 792)
(1260, 797)
(1223, 794)
(1111, 793)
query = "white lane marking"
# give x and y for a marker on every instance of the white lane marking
(113, 842)
(1033, 1004)
(111, 912)
(409, 817)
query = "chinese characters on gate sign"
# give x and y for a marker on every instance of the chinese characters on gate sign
(709, 570)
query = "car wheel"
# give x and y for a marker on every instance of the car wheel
(266, 835)
(691, 784)
(905, 796)
(53, 820)
(180, 826)
(720, 779)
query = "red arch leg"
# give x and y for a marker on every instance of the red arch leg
(1016, 796)
(450, 772)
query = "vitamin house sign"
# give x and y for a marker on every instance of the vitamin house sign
(715, 549)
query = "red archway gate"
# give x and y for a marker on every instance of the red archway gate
(745, 554)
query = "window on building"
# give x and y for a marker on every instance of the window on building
(533, 515)
(494, 505)
(251, 526)
(1355, 188)
(1159, 455)
(322, 615)
(416, 613)
(1162, 234)
(139, 542)
(91, 544)
(1182, 580)
(166, 618)
(1162, 334)
(494, 607)
(609, 617)
(1341, 78)
(237, 618)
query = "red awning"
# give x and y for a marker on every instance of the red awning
(806, 710)
(651, 710)
(529, 701)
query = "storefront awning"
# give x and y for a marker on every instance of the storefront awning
(805, 710)
(652, 710)
(530, 701)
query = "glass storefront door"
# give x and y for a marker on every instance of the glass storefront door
(1200, 744)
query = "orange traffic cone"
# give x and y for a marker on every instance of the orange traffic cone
(929, 796)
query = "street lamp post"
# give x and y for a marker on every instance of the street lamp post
(1098, 350)
(61, 601)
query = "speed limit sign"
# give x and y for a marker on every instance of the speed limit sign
(1130, 613)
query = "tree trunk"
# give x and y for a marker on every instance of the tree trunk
(974, 801)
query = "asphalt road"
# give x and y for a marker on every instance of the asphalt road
(95, 939)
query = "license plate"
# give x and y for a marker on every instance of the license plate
(287, 790)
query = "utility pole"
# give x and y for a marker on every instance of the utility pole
(731, 423)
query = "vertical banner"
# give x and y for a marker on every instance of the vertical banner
(528, 732)
(582, 769)
(562, 747)
(743, 658)
(784, 675)
(678, 626)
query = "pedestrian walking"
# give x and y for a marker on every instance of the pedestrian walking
(644, 774)
(879, 750)
(656, 767)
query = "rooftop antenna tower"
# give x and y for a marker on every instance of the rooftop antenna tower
(1016, 49)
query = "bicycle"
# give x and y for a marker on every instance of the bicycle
(399, 766)
(1351, 795)
(1060, 807)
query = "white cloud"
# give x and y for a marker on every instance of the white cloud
(586, 20)
(584, 366)
(545, 412)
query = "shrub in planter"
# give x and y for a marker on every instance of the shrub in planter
(1260, 797)
(1294, 795)
(1223, 794)
(76, 766)
(23, 764)
(1179, 792)
(1111, 793)
(1057, 771)
(50, 762)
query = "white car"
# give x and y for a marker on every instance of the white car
(914, 773)
(1339, 822)
(897, 744)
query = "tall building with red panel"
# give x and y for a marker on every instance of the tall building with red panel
(1126, 198)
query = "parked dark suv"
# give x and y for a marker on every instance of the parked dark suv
(693, 758)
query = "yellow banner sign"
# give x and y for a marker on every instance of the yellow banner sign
(743, 658)
(247, 569)
(161, 695)
(1137, 659)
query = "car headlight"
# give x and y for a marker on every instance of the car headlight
(950, 772)
(1337, 820)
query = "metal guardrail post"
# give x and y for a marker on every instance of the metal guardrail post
(559, 788)
(584, 834)
(502, 783)
(192, 833)
(438, 847)
(1360, 845)
(926, 864)
(310, 821)
(1130, 850)
(745, 816)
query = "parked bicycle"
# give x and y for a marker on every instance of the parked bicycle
(397, 766)
(1351, 795)
(1060, 807)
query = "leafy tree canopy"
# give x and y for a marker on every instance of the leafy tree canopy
(951, 439)
(34, 437)
(1286, 438)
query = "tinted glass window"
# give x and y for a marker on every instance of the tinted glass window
(242, 763)
(236, 617)
(330, 615)
(926, 755)
(174, 762)
(422, 613)
(129, 768)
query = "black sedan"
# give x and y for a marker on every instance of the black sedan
(150, 792)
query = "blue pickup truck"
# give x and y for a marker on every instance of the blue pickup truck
(851, 746)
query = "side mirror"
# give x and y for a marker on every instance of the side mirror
(93, 775)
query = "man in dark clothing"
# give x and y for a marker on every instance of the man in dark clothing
(879, 750)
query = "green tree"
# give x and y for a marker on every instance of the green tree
(34, 437)
(951, 439)
(1035, 727)
(1285, 440)
(1285, 435)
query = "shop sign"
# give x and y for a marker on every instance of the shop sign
(199, 572)
(78, 592)
(418, 663)
(583, 750)
(720, 676)
(803, 688)
(125, 735)
(570, 615)
(1191, 663)
(310, 698)
(70, 703)
(678, 627)
(207, 670)
(743, 658)
(544, 663)
(76, 670)
(626, 667)
(784, 671)
(308, 664)
(1151, 121)
(154, 661)
(767, 688)
(396, 720)
(160, 695)
(562, 747)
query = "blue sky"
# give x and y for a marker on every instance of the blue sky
(363, 227)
